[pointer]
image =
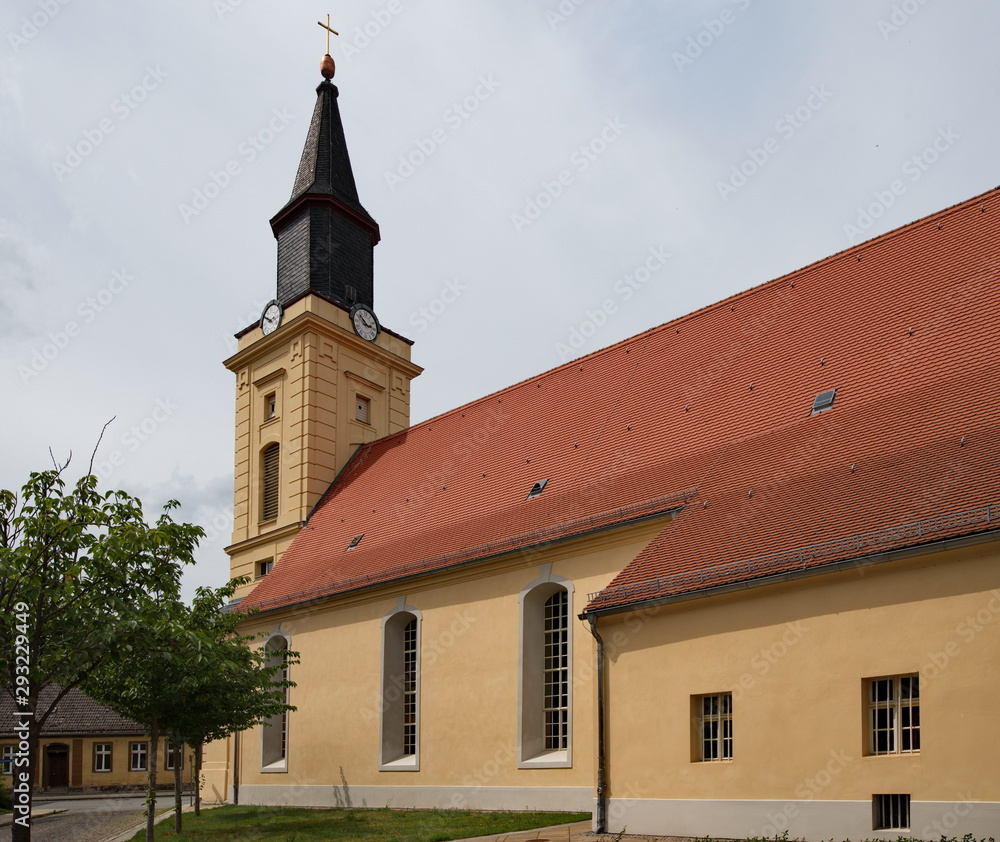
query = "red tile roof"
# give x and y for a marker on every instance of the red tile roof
(710, 412)
(76, 715)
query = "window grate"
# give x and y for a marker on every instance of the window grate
(891, 812)
(556, 671)
(717, 727)
(271, 475)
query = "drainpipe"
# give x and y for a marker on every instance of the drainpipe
(602, 807)
(236, 768)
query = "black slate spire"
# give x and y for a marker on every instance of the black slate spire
(325, 236)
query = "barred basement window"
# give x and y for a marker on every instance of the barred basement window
(891, 812)
(894, 714)
(102, 757)
(137, 757)
(556, 704)
(716, 721)
(270, 475)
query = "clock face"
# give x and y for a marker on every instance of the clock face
(365, 322)
(271, 318)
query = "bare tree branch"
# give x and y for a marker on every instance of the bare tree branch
(93, 456)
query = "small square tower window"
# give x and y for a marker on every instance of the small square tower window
(264, 567)
(362, 409)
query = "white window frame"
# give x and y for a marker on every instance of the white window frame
(274, 735)
(103, 752)
(901, 723)
(400, 690)
(170, 750)
(715, 727)
(138, 757)
(532, 752)
(7, 759)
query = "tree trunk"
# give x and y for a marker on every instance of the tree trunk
(154, 741)
(24, 771)
(178, 806)
(197, 780)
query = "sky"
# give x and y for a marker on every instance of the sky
(549, 178)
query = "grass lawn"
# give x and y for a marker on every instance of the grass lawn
(296, 824)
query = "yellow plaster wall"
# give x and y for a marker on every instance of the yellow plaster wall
(795, 658)
(120, 775)
(469, 662)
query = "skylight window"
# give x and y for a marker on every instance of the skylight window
(537, 489)
(355, 541)
(823, 401)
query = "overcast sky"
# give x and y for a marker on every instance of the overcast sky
(549, 178)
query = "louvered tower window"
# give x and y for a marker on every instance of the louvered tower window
(269, 484)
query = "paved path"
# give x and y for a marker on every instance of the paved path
(86, 819)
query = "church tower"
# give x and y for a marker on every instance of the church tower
(318, 375)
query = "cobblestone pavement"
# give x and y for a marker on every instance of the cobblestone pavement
(80, 827)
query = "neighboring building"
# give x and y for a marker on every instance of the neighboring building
(85, 746)
(779, 514)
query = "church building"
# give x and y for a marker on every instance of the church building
(736, 575)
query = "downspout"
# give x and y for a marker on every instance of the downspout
(602, 807)
(236, 768)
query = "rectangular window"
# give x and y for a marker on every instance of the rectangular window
(894, 714)
(270, 406)
(715, 722)
(102, 757)
(362, 409)
(891, 812)
(137, 757)
(7, 759)
(174, 754)
(264, 567)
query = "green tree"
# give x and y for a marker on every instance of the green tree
(192, 678)
(234, 684)
(79, 570)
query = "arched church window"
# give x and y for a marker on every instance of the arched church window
(274, 736)
(400, 691)
(546, 679)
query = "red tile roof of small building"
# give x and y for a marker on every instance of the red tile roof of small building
(710, 414)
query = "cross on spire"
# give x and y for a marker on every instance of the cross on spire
(326, 26)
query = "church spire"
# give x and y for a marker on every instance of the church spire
(325, 236)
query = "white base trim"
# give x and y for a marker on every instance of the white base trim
(569, 799)
(809, 820)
